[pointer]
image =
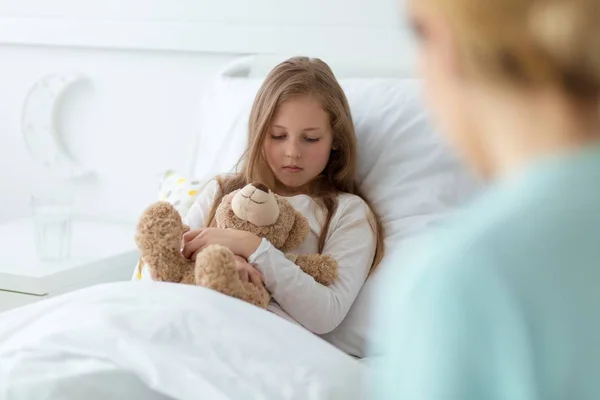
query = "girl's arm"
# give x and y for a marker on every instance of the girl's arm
(319, 308)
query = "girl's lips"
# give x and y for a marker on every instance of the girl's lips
(292, 168)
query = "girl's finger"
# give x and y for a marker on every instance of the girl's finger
(187, 251)
(255, 278)
(243, 275)
(262, 277)
(197, 252)
(191, 235)
(191, 248)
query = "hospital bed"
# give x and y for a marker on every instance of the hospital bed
(167, 341)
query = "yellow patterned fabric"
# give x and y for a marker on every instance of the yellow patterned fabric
(179, 190)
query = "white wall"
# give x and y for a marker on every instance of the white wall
(134, 103)
(316, 12)
(146, 63)
(232, 26)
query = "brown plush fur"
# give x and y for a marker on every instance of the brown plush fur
(159, 239)
(286, 234)
(320, 266)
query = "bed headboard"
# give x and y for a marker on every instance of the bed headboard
(344, 66)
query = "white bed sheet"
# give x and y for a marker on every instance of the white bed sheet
(165, 341)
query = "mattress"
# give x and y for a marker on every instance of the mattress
(155, 340)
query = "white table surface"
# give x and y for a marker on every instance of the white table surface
(95, 246)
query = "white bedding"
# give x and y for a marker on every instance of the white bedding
(161, 341)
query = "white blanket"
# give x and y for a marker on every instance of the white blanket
(165, 341)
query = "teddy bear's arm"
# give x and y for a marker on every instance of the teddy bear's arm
(322, 267)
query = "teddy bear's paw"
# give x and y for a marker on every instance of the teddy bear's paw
(159, 227)
(323, 268)
(169, 265)
(256, 295)
(216, 269)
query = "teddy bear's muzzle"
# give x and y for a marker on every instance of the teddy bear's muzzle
(256, 204)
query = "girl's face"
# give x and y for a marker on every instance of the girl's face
(299, 142)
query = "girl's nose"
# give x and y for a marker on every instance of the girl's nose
(293, 151)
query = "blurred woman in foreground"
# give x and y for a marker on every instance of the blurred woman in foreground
(504, 301)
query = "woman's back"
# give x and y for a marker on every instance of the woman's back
(503, 305)
(514, 311)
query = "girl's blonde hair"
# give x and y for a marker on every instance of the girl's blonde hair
(534, 42)
(293, 77)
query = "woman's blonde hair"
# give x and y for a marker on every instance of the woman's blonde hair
(293, 77)
(534, 42)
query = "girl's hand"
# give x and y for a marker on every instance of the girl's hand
(247, 272)
(241, 243)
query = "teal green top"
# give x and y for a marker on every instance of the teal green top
(503, 301)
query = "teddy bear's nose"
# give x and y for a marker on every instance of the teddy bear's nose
(261, 186)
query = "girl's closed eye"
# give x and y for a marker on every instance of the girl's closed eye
(281, 136)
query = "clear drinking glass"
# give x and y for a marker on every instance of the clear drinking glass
(52, 217)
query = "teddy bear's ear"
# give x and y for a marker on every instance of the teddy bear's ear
(223, 213)
(297, 234)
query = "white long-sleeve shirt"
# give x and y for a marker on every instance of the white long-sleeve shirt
(296, 296)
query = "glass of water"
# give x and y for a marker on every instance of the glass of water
(52, 218)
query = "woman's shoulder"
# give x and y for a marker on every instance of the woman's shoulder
(484, 235)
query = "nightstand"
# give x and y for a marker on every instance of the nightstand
(101, 252)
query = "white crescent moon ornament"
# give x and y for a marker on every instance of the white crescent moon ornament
(39, 127)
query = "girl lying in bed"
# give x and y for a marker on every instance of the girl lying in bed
(302, 144)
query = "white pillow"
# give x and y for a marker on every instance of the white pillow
(404, 168)
(179, 189)
(222, 125)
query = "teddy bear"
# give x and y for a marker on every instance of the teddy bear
(254, 208)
